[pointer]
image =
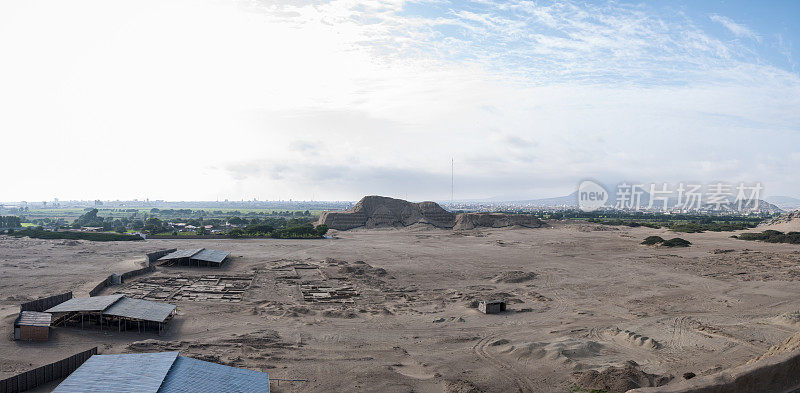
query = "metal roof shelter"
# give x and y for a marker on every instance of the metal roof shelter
(177, 254)
(141, 309)
(215, 256)
(164, 372)
(119, 373)
(33, 318)
(196, 257)
(196, 376)
(86, 304)
(105, 310)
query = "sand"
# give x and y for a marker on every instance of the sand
(580, 296)
(787, 222)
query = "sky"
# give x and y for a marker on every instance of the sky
(333, 100)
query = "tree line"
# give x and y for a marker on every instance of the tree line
(10, 222)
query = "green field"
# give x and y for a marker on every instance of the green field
(71, 235)
(71, 214)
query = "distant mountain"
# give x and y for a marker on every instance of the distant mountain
(784, 202)
(763, 207)
(571, 201)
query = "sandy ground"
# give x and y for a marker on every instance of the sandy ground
(596, 298)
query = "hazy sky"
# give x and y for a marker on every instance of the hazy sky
(199, 100)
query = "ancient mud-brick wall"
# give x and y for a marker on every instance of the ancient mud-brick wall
(436, 215)
(343, 221)
(378, 212)
(495, 220)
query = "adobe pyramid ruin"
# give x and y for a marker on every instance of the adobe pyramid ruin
(384, 212)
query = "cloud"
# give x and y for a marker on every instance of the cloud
(337, 99)
(737, 29)
(402, 182)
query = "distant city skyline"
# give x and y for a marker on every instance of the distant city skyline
(334, 100)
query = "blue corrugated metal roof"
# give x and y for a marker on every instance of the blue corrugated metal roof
(140, 309)
(118, 305)
(211, 255)
(96, 303)
(180, 254)
(134, 373)
(164, 372)
(203, 254)
(196, 376)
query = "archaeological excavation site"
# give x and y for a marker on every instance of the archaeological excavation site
(400, 299)
(400, 196)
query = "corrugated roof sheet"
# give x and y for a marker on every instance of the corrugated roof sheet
(140, 309)
(164, 372)
(215, 256)
(196, 376)
(95, 303)
(180, 254)
(33, 318)
(133, 373)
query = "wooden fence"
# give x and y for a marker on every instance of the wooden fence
(47, 373)
(109, 281)
(99, 288)
(45, 303)
(153, 256)
(138, 272)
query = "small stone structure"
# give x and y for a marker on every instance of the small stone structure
(491, 306)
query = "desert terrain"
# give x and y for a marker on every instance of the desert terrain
(580, 297)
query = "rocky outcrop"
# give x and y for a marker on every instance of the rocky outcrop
(382, 212)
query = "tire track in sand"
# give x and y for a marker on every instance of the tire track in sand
(505, 369)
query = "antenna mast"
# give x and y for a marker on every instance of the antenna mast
(452, 177)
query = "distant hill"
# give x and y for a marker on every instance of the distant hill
(571, 201)
(784, 202)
